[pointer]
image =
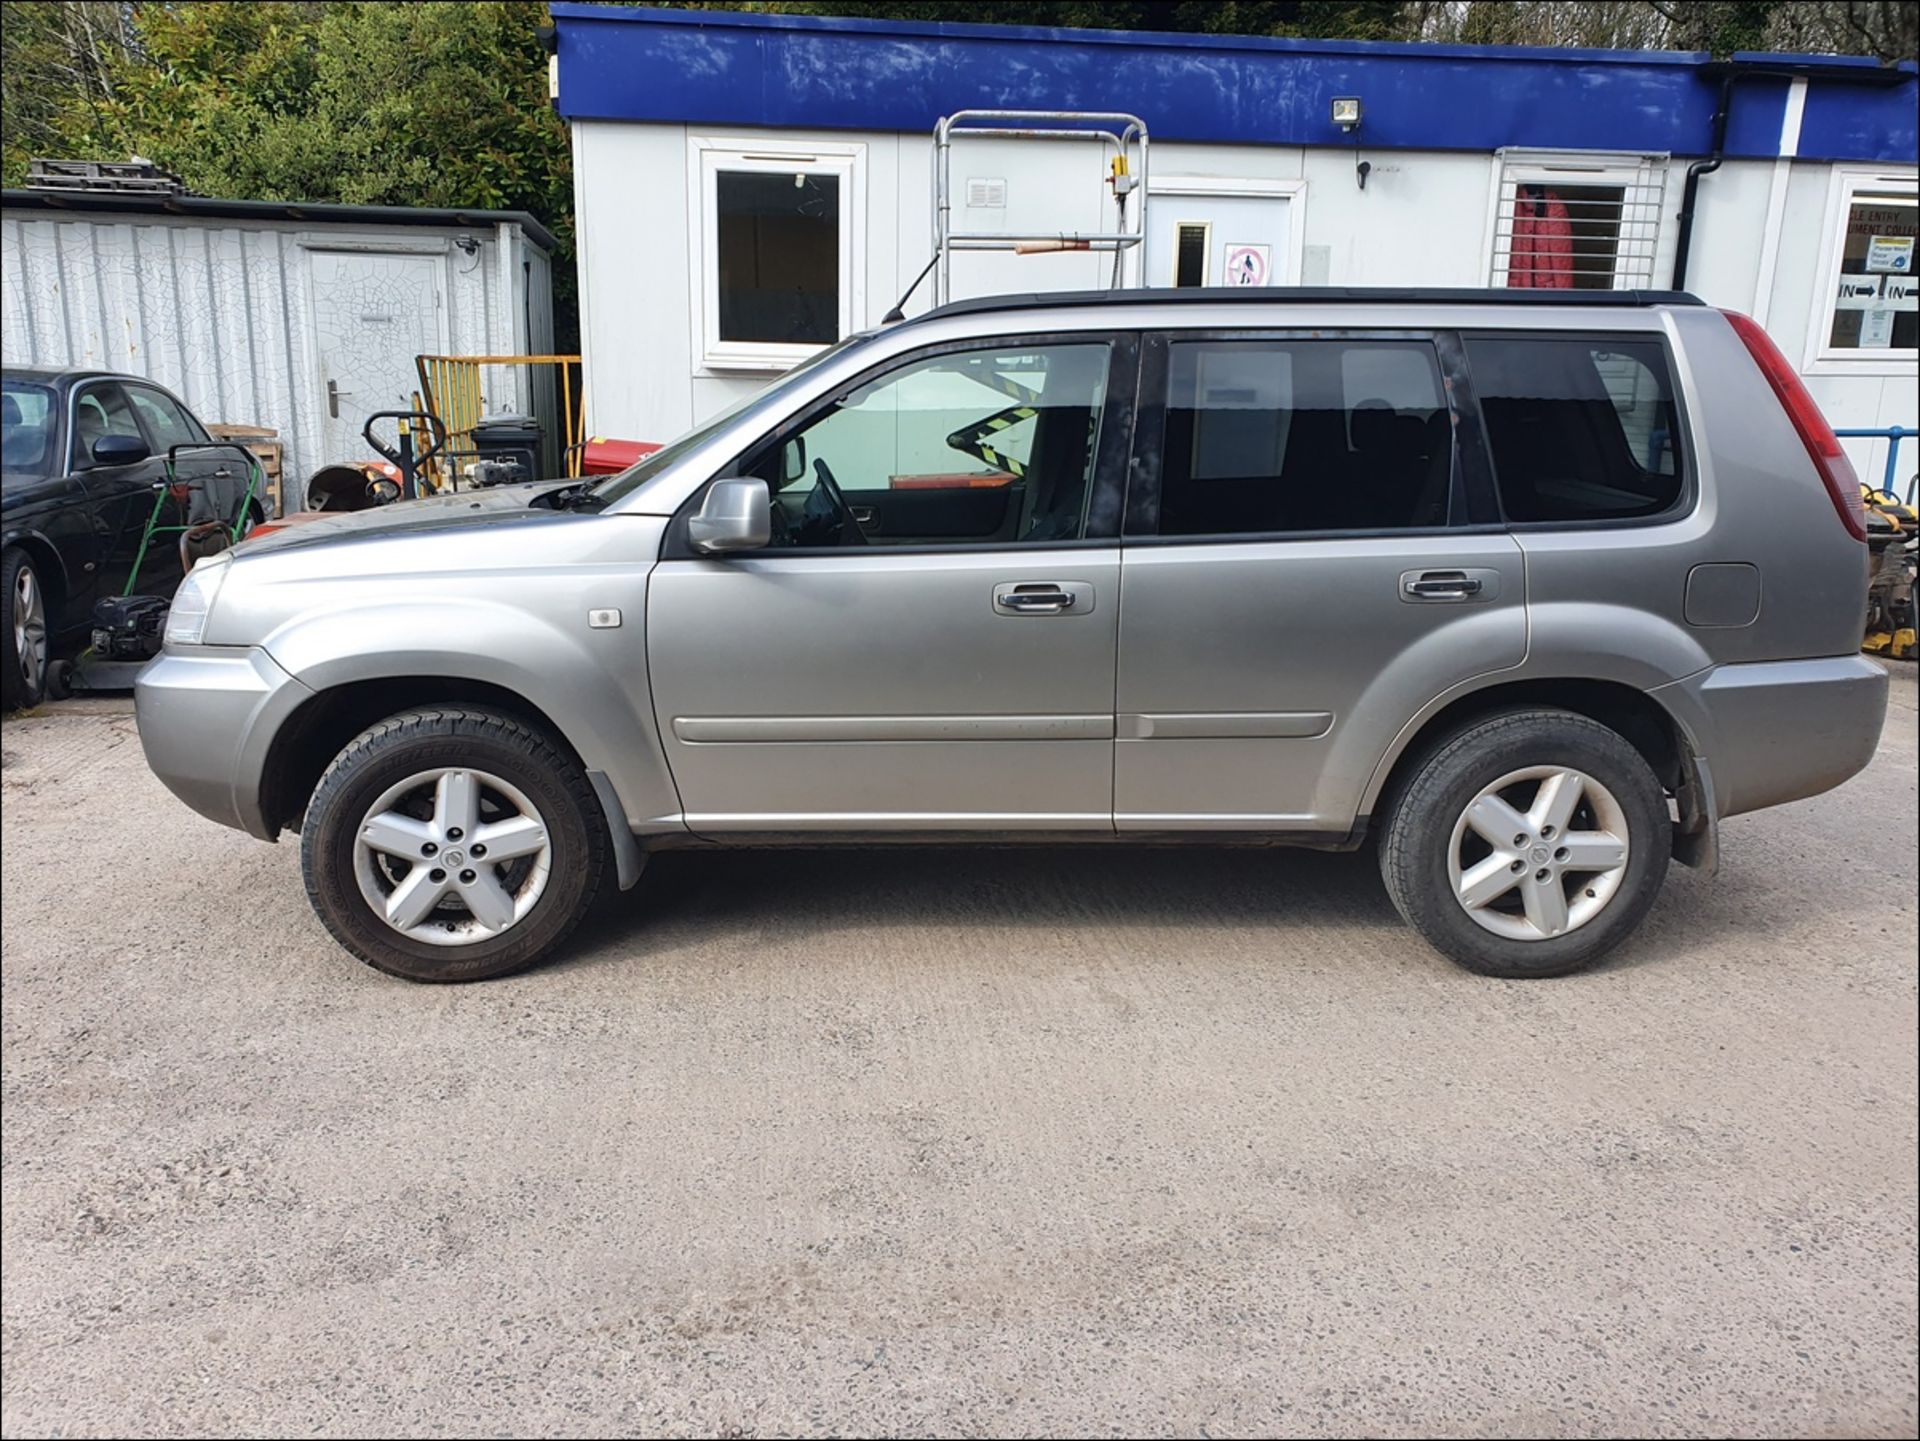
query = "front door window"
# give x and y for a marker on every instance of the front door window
(975, 447)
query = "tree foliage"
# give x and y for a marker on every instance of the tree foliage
(428, 103)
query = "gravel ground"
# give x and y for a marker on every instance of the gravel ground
(1079, 1142)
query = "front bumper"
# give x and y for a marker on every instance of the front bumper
(1778, 731)
(207, 715)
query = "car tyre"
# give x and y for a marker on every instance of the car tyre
(24, 633)
(1486, 898)
(414, 776)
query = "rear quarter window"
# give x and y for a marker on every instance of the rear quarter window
(1582, 428)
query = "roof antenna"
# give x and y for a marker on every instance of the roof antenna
(899, 311)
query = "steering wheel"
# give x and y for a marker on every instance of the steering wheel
(850, 532)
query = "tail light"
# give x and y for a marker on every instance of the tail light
(1843, 486)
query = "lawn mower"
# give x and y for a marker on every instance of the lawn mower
(128, 628)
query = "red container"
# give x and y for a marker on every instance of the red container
(602, 456)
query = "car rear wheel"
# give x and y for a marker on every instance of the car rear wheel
(23, 631)
(1530, 844)
(453, 844)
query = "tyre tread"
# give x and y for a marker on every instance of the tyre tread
(1405, 851)
(329, 891)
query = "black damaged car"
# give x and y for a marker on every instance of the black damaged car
(82, 451)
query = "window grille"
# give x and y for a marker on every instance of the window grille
(1577, 221)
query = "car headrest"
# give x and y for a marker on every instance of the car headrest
(1381, 431)
(9, 410)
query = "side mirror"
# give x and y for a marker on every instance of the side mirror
(119, 450)
(793, 460)
(737, 514)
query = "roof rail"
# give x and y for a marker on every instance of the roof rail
(1312, 295)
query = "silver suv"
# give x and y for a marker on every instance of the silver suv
(1530, 590)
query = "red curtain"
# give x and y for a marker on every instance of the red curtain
(1542, 254)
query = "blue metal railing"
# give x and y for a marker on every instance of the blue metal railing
(1893, 435)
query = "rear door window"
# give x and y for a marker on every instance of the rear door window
(1581, 428)
(1291, 436)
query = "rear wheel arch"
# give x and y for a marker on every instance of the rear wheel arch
(1647, 725)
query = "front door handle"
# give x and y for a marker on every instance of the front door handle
(1042, 597)
(334, 392)
(1446, 585)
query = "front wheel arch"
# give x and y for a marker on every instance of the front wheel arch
(321, 728)
(46, 563)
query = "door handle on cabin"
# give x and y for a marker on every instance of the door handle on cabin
(334, 392)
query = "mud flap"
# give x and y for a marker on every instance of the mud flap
(1696, 835)
(628, 859)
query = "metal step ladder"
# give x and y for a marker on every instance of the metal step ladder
(1123, 142)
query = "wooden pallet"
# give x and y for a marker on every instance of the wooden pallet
(266, 446)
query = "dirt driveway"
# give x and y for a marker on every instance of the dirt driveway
(1004, 1141)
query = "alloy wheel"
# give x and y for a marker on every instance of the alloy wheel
(452, 856)
(1539, 853)
(29, 628)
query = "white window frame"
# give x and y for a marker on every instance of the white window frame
(1846, 183)
(707, 157)
(1630, 171)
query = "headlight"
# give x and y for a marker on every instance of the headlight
(193, 602)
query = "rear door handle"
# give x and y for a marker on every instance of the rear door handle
(1448, 585)
(1043, 597)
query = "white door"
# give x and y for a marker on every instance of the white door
(372, 314)
(1218, 239)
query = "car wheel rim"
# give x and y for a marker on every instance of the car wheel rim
(1539, 853)
(452, 856)
(29, 627)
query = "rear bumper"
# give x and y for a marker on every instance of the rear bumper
(206, 716)
(1778, 731)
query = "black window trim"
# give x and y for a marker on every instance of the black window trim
(1470, 491)
(1117, 421)
(1686, 500)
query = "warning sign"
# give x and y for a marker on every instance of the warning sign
(1247, 264)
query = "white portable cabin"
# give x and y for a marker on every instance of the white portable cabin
(748, 187)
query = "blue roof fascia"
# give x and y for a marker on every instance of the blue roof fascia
(814, 72)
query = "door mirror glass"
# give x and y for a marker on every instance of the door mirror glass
(793, 460)
(119, 450)
(737, 514)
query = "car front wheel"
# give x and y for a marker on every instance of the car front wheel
(1529, 844)
(24, 629)
(453, 844)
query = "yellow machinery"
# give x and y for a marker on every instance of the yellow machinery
(1891, 506)
(451, 389)
(1891, 552)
